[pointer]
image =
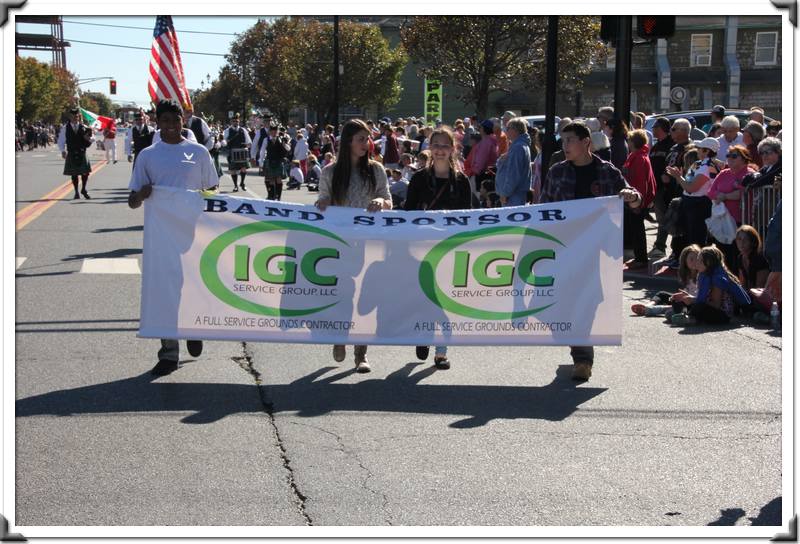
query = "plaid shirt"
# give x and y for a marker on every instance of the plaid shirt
(561, 181)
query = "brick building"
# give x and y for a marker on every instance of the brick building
(729, 60)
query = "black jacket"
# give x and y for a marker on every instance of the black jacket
(762, 177)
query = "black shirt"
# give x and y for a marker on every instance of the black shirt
(456, 193)
(757, 263)
(584, 177)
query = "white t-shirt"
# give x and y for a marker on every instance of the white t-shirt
(186, 165)
(185, 132)
(725, 144)
(701, 170)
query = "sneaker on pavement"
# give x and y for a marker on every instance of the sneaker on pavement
(86, 195)
(683, 319)
(423, 352)
(362, 366)
(195, 347)
(656, 253)
(441, 362)
(164, 367)
(668, 314)
(339, 353)
(243, 187)
(581, 371)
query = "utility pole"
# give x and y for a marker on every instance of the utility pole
(549, 144)
(336, 75)
(622, 79)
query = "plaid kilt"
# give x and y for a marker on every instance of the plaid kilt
(76, 164)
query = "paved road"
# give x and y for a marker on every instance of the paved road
(677, 427)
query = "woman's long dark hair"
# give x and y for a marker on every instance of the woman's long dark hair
(342, 168)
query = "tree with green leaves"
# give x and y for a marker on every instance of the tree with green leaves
(43, 92)
(100, 103)
(289, 63)
(486, 54)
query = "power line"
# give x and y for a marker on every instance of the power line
(149, 28)
(144, 48)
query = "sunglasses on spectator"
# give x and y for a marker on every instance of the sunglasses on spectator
(733, 155)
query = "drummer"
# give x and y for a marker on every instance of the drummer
(238, 151)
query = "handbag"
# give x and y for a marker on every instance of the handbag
(721, 225)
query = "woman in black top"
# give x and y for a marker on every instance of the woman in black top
(439, 186)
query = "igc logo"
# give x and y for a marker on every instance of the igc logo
(493, 269)
(284, 259)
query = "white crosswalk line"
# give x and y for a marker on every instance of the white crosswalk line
(20, 260)
(111, 266)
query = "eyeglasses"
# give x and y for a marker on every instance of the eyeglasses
(733, 155)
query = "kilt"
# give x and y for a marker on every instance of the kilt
(273, 169)
(77, 164)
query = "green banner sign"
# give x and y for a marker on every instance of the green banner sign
(433, 100)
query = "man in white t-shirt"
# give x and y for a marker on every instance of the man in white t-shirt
(730, 135)
(174, 161)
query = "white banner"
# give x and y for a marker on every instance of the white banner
(226, 268)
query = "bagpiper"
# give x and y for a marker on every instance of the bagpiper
(139, 136)
(238, 141)
(73, 140)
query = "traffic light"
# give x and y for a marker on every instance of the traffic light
(112, 86)
(655, 26)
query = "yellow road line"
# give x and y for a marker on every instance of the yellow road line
(34, 210)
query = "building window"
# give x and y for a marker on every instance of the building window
(611, 58)
(766, 48)
(700, 52)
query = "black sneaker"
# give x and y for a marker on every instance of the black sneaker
(86, 195)
(422, 352)
(243, 187)
(76, 197)
(195, 347)
(164, 367)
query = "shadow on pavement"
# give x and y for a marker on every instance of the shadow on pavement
(770, 515)
(309, 396)
(105, 255)
(132, 228)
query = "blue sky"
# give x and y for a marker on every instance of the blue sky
(130, 66)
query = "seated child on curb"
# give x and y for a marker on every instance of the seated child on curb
(717, 291)
(753, 272)
(663, 302)
(296, 178)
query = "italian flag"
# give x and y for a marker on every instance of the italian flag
(96, 121)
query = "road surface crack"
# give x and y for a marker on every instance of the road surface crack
(246, 362)
(351, 453)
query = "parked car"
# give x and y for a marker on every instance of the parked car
(538, 121)
(701, 117)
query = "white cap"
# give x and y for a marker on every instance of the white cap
(709, 143)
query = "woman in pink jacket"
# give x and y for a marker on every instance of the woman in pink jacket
(727, 188)
(639, 173)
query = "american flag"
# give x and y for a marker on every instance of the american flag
(166, 68)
